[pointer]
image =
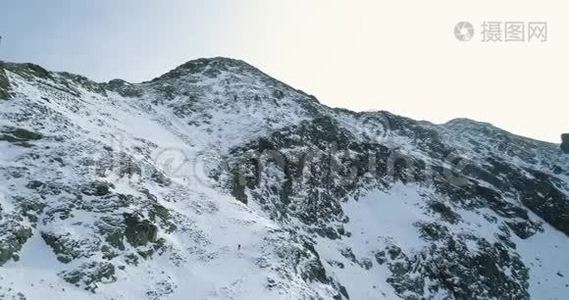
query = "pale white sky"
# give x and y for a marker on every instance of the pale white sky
(399, 56)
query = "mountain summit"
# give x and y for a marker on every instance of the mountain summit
(208, 67)
(216, 181)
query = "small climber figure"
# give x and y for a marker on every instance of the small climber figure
(238, 246)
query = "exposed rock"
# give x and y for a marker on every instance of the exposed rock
(139, 232)
(89, 276)
(4, 84)
(565, 142)
(10, 245)
(124, 88)
(97, 188)
(19, 136)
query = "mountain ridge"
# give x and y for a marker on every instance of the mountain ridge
(223, 183)
(236, 63)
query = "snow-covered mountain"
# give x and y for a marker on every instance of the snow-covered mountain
(216, 181)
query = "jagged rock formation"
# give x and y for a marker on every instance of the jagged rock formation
(143, 191)
(565, 143)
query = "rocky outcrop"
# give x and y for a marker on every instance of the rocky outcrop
(4, 84)
(565, 143)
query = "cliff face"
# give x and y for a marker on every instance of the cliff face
(216, 181)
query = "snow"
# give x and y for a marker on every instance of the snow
(546, 254)
(212, 266)
(203, 260)
(388, 215)
(378, 219)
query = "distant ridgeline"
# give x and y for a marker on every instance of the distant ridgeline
(565, 142)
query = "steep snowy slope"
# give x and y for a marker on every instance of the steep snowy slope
(216, 181)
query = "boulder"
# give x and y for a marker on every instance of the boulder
(565, 142)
